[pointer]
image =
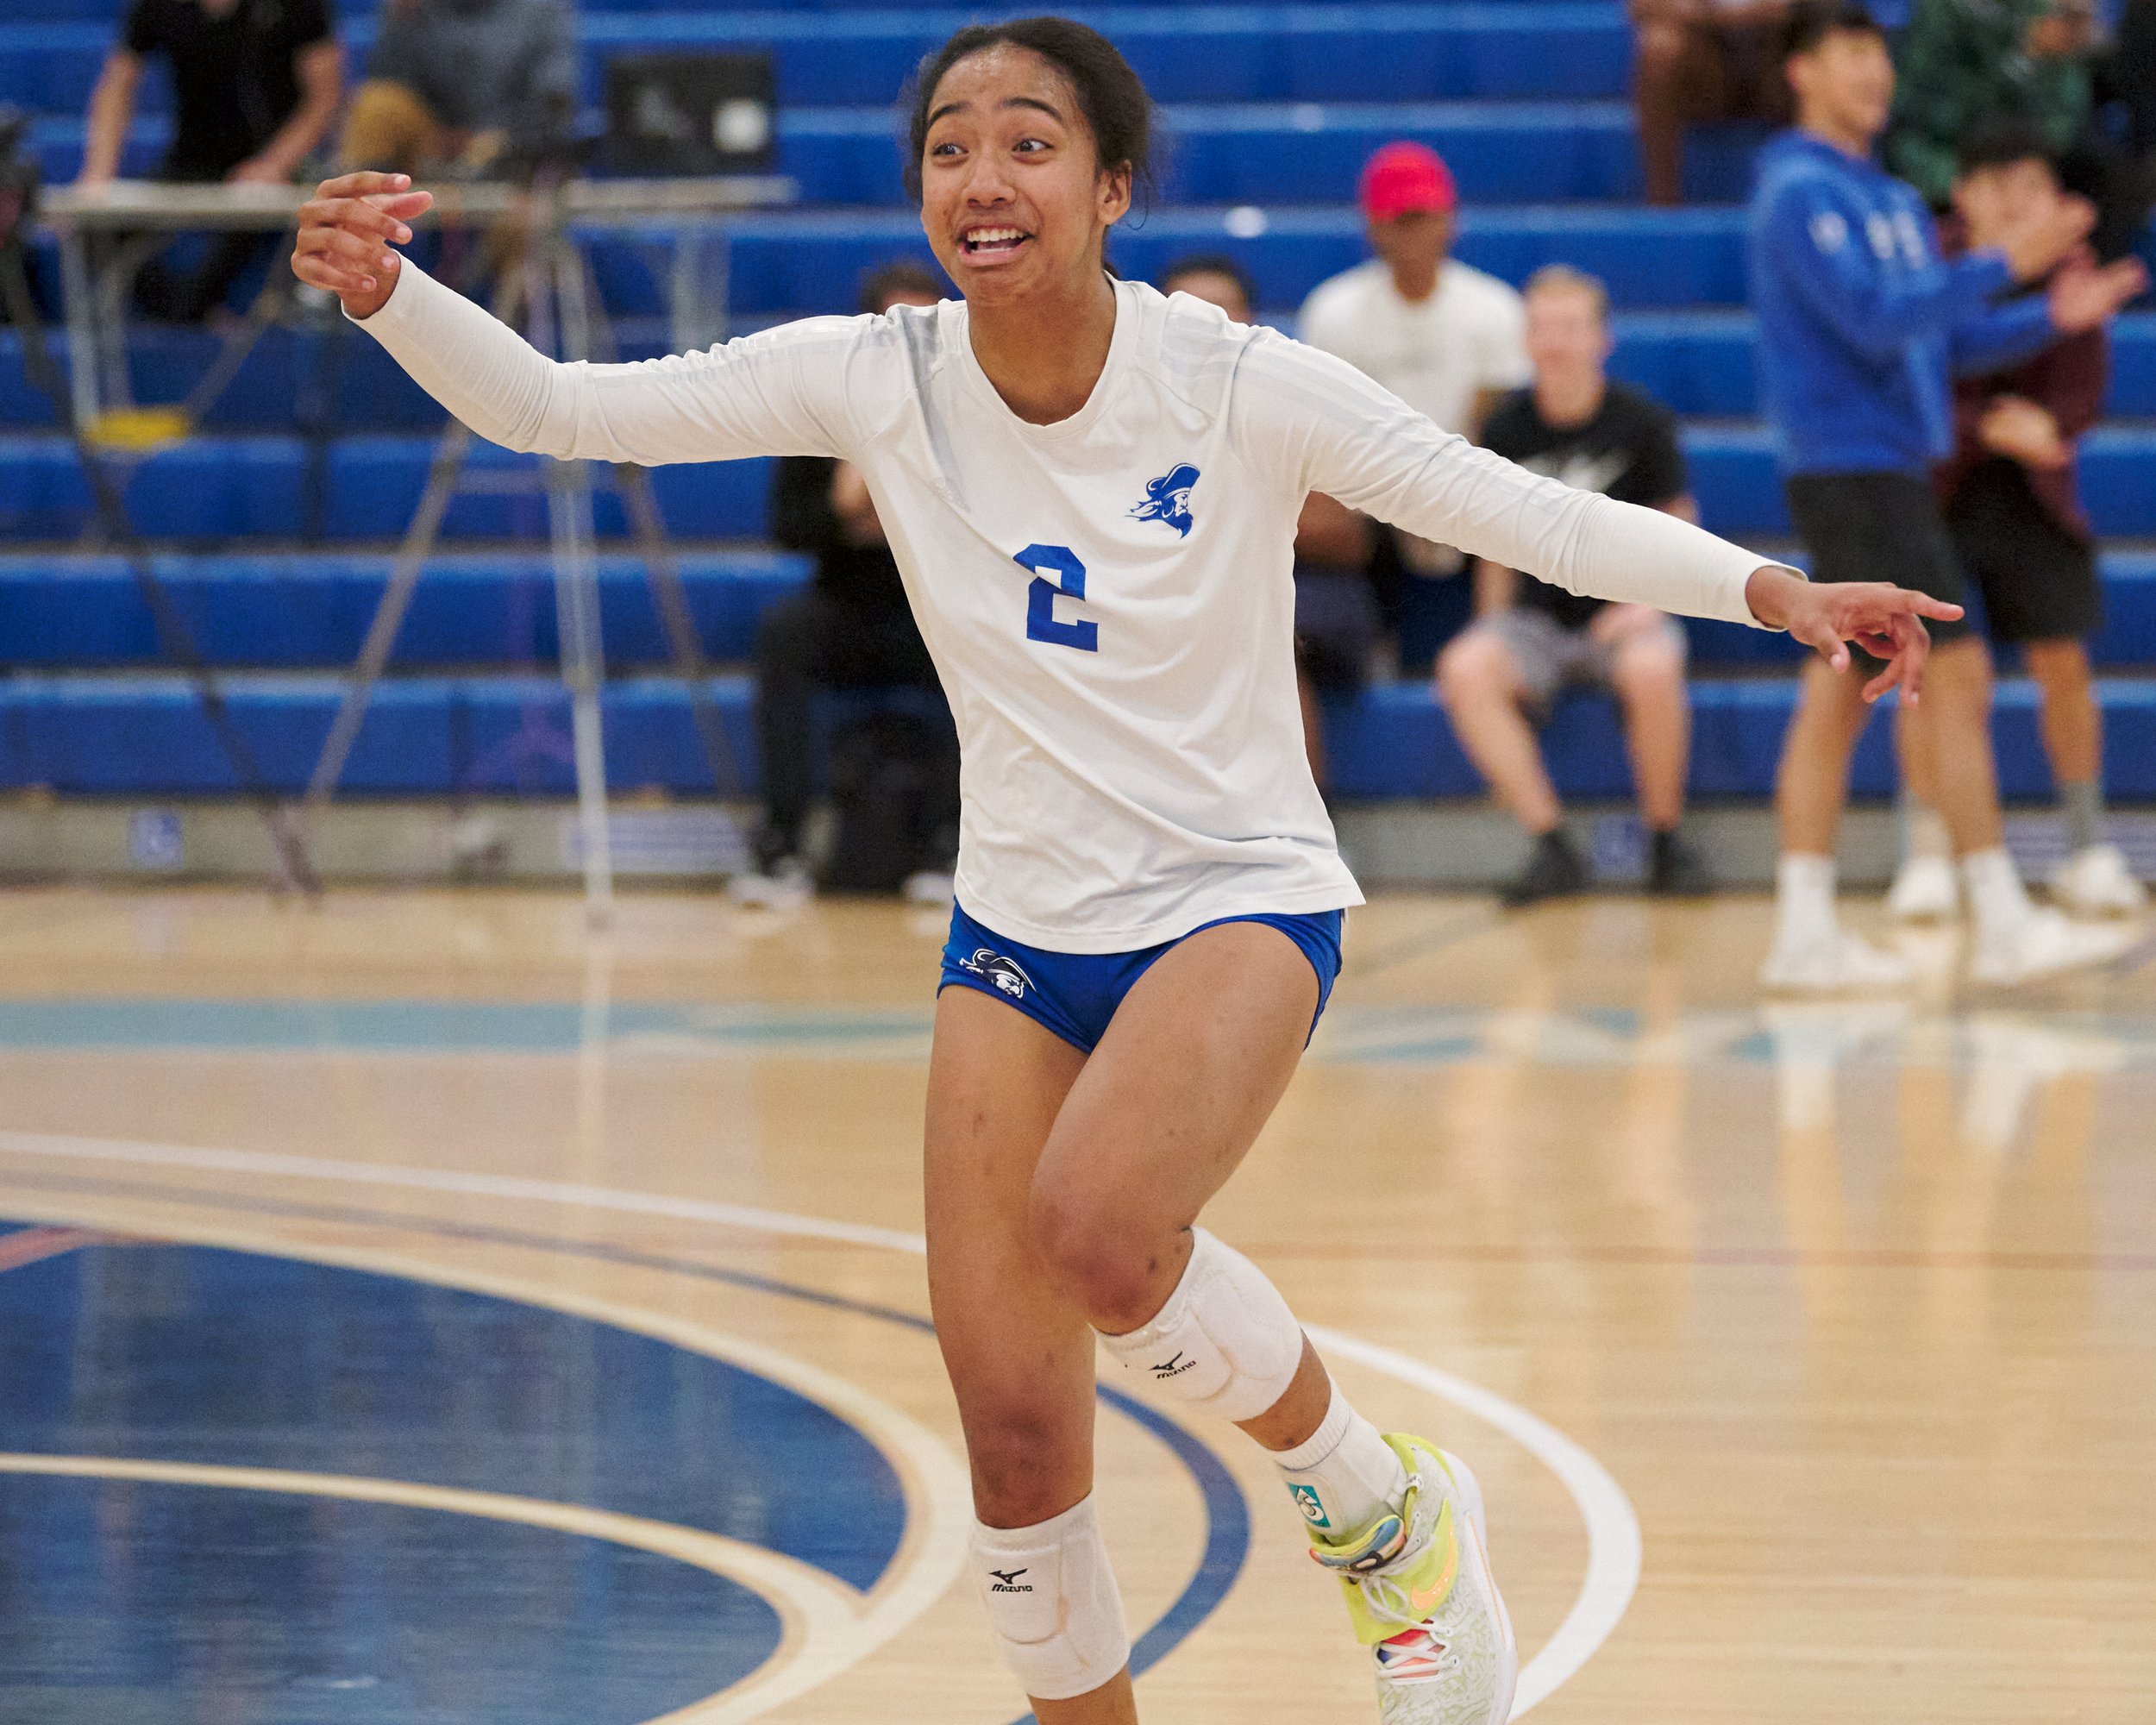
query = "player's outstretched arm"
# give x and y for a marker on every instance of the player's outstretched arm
(795, 390)
(1886, 621)
(346, 230)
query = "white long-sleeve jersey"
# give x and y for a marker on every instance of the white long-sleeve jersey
(1109, 600)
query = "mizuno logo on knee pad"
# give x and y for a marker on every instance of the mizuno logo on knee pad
(1006, 1580)
(1173, 1366)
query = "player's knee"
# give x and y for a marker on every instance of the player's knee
(1020, 1456)
(1052, 1603)
(1649, 667)
(1223, 1340)
(1106, 1259)
(1472, 670)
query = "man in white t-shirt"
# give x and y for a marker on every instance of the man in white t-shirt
(1446, 338)
(1443, 336)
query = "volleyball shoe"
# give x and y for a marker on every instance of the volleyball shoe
(1421, 1597)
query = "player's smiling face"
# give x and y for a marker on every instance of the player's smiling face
(1013, 196)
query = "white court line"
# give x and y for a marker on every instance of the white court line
(821, 1615)
(1613, 1527)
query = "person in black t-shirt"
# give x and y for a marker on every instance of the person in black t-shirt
(1502, 675)
(255, 84)
(851, 628)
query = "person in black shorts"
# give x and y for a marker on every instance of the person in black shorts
(2014, 514)
(1337, 623)
(255, 84)
(1530, 641)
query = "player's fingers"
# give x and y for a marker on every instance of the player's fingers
(363, 182)
(1888, 677)
(355, 216)
(404, 205)
(337, 245)
(1827, 642)
(1904, 602)
(1913, 646)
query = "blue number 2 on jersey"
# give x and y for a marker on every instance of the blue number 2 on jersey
(1057, 573)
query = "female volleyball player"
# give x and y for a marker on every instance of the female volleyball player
(1092, 491)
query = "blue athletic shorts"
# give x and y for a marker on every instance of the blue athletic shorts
(1076, 993)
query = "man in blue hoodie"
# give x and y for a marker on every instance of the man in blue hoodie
(1861, 328)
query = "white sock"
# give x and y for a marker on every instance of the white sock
(1804, 899)
(1996, 897)
(1344, 1474)
(1924, 832)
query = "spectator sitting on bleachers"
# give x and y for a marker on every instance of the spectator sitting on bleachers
(1964, 61)
(1530, 640)
(1697, 62)
(2012, 506)
(255, 84)
(852, 628)
(457, 84)
(1336, 626)
(1442, 336)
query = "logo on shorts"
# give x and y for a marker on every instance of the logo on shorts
(1001, 971)
(1173, 1366)
(1006, 1581)
(1167, 498)
(1306, 1499)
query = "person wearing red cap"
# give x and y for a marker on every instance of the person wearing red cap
(1446, 338)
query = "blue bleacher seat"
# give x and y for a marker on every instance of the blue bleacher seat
(1579, 49)
(267, 610)
(146, 735)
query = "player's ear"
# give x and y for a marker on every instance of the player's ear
(1112, 193)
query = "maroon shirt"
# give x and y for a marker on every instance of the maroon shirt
(2068, 379)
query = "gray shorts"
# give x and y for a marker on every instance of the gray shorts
(1552, 658)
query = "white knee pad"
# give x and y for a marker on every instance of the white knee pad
(1225, 1340)
(1053, 1605)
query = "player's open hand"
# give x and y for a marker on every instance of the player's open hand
(346, 230)
(1886, 621)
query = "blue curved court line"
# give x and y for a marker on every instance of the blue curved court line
(1227, 1511)
(282, 1606)
(173, 1352)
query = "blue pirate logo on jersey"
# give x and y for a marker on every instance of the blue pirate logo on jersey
(1167, 498)
(1001, 971)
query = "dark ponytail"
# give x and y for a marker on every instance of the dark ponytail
(1118, 112)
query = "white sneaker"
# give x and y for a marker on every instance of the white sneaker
(1836, 962)
(931, 887)
(1422, 1599)
(785, 884)
(1925, 890)
(2043, 944)
(2096, 881)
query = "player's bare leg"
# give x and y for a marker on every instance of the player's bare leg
(1018, 1346)
(1192, 1065)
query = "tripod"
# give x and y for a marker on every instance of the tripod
(176, 640)
(561, 315)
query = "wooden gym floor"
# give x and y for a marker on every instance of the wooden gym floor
(412, 1310)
